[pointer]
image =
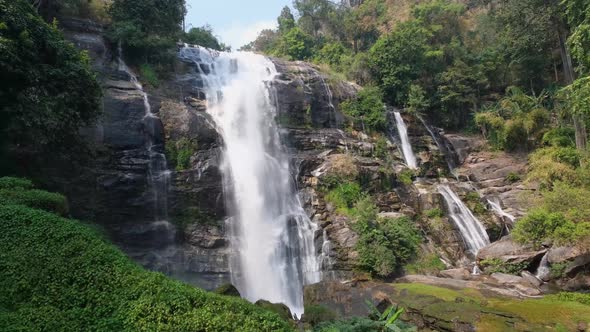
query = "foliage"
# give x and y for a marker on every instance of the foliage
(48, 90)
(203, 36)
(344, 196)
(7, 182)
(149, 75)
(381, 148)
(354, 324)
(367, 110)
(417, 101)
(406, 176)
(550, 165)
(497, 265)
(295, 45)
(35, 198)
(147, 30)
(59, 275)
(539, 226)
(571, 297)
(560, 137)
(384, 245)
(517, 121)
(426, 264)
(316, 314)
(179, 153)
(558, 270)
(434, 213)
(512, 177)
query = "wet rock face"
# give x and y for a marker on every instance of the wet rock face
(306, 98)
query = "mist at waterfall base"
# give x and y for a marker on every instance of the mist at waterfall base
(272, 238)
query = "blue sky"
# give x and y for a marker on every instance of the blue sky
(235, 22)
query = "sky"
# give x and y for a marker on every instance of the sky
(235, 22)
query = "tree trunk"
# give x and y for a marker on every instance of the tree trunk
(568, 72)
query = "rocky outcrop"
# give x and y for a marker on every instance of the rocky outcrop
(507, 251)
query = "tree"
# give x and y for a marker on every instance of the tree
(203, 36)
(48, 90)
(286, 20)
(398, 59)
(147, 29)
(296, 45)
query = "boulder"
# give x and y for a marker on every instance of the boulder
(228, 290)
(279, 308)
(510, 252)
(461, 274)
(504, 278)
(531, 279)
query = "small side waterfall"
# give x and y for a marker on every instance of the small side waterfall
(442, 145)
(472, 231)
(405, 141)
(272, 238)
(158, 173)
(543, 271)
(494, 203)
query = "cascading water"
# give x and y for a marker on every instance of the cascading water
(405, 141)
(472, 231)
(543, 271)
(158, 173)
(443, 147)
(494, 203)
(272, 238)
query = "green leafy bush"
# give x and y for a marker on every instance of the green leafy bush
(558, 270)
(149, 75)
(48, 90)
(15, 183)
(179, 153)
(560, 137)
(406, 176)
(147, 30)
(512, 177)
(35, 198)
(203, 36)
(344, 196)
(367, 111)
(316, 314)
(540, 225)
(384, 245)
(59, 275)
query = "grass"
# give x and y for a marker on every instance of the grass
(489, 313)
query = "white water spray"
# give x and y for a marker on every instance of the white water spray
(272, 238)
(472, 231)
(405, 140)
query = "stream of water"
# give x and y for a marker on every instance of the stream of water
(272, 238)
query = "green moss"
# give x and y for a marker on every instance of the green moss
(558, 270)
(192, 215)
(59, 275)
(490, 313)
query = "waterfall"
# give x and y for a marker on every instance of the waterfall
(472, 231)
(158, 173)
(543, 271)
(443, 146)
(494, 203)
(405, 141)
(272, 238)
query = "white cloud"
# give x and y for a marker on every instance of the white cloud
(238, 35)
